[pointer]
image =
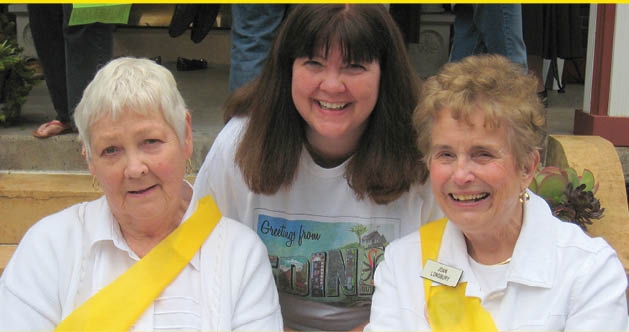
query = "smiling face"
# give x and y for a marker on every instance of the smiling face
(474, 174)
(140, 163)
(334, 98)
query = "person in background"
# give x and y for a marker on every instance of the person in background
(144, 256)
(488, 28)
(69, 56)
(318, 157)
(252, 31)
(552, 32)
(481, 127)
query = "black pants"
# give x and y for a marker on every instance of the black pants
(69, 55)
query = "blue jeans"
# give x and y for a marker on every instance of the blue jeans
(253, 29)
(69, 55)
(488, 29)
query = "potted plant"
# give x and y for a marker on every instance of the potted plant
(16, 77)
(569, 195)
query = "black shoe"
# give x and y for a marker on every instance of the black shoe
(543, 97)
(184, 64)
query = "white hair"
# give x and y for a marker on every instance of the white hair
(130, 84)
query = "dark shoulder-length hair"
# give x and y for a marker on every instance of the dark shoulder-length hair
(387, 161)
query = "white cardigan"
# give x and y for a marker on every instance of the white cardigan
(68, 256)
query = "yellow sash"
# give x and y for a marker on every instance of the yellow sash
(117, 306)
(448, 308)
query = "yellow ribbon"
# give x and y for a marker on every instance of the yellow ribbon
(119, 305)
(448, 308)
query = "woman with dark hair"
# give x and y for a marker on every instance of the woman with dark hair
(318, 156)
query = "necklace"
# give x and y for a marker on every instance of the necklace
(506, 261)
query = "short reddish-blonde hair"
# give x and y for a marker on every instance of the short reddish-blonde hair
(492, 84)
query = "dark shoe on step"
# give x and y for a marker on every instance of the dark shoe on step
(184, 64)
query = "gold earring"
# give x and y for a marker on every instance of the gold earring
(524, 196)
(188, 167)
(95, 184)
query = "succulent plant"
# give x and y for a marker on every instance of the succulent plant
(570, 196)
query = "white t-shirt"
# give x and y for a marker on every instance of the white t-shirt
(67, 257)
(559, 279)
(323, 243)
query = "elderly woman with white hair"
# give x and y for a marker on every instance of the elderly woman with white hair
(144, 256)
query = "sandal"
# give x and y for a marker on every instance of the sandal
(52, 128)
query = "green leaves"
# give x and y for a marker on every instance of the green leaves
(570, 196)
(16, 77)
(9, 56)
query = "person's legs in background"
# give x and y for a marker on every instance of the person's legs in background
(46, 23)
(487, 28)
(88, 47)
(253, 29)
(501, 29)
(466, 39)
(69, 56)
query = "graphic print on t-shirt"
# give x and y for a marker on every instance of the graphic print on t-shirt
(325, 259)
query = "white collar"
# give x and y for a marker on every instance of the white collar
(103, 227)
(534, 258)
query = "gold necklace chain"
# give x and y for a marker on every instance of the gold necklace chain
(506, 261)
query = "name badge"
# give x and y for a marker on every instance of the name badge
(443, 274)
